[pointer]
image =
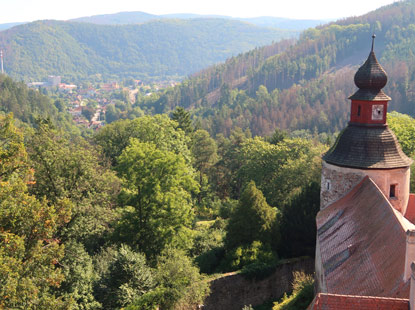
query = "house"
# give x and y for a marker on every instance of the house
(365, 228)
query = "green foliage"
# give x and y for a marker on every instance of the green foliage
(280, 170)
(182, 117)
(302, 295)
(70, 170)
(256, 254)
(207, 238)
(278, 136)
(181, 280)
(88, 112)
(298, 222)
(208, 245)
(404, 128)
(158, 129)
(78, 270)
(210, 261)
(162, 48)
(253, 220)
(259, 269)
(179, 284)
(204, 151)
(125, 277)
(27, 105)
(157, 185)
(301, 85)
(29, 252)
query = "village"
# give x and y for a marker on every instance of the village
(88, 102)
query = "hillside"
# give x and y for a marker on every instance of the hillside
(123, 18)
(154, 50)
(28, 105)
(8, 25)
(306, 85)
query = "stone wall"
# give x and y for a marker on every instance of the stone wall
(336, 182)
(234, 291)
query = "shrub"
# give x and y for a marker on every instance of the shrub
(302, 295)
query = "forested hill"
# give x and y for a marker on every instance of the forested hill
(29, 106)
(306, 86)
(158, 49)
(123, 18)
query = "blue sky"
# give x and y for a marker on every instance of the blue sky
(29, 10)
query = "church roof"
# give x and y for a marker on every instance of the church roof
(350, 302)
(370, 79)
(360, 255)
(367, 147)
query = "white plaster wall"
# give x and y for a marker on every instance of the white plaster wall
(342, 180)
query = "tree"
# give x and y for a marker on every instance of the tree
(204, 157)
(69, 169)
(253, 220)
(182, 117)
(204, 151)
(158, 129)
(126, 278)
(224, 178)
(88, 112)
(278, 136)
(29, 252)
(280, 170)
(404, 128)
(179, 284)
(298, 222)
(78, 269)
(157, 188)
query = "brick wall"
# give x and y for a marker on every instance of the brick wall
(233, 291)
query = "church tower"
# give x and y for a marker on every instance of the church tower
(367, 147)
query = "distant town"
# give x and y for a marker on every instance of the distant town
(87, 103)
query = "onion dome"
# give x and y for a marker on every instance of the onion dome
(370, 79)
(368, 144)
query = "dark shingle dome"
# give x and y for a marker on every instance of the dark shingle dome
(371, 74)
(367, 147)
(370, 79)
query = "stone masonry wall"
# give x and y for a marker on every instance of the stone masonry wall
(233, 292)
(336, 182)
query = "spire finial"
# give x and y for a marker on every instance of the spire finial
(373, 41)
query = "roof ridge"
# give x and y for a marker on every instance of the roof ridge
(363, 297)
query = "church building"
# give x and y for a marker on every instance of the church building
(365, 227)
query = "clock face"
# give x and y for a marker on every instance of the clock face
(377, 112)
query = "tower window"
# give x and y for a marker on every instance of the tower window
(359, 108)
(328, 185)
(392, 191)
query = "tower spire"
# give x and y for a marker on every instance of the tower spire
(373, 42)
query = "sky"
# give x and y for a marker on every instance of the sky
(30, 10)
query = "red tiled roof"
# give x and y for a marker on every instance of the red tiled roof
(350, 302)
(410, 210)
(362, 243)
